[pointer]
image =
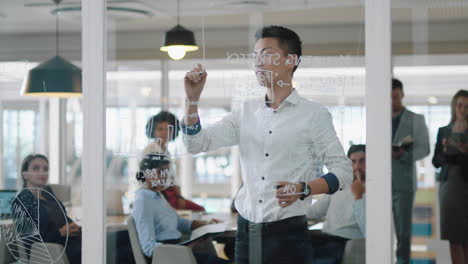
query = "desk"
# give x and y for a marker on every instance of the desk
(230, 218)
(116, 219)
(116, 223)
(119, 222)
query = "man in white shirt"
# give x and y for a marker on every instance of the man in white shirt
(279, 135)
(344, 213)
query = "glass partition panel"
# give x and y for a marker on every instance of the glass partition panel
(429, 183)
(269, 168)
(40, 134)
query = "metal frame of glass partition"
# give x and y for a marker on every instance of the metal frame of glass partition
(378, 67)
(94, 122)
(379, 235)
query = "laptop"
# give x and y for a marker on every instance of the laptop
(5, 202)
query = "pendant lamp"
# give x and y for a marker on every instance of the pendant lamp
(179, 40)
(55, 77)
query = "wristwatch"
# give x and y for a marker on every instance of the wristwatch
(305, 191)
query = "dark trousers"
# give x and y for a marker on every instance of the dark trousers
(119, 249)
(73, 250)
(328, 249)
(403, 217)
(281, 242)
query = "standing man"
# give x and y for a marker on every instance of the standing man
(410, 143)
(276, 135)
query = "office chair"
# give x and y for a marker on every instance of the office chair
(163, 254)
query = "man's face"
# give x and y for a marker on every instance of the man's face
(358, 160)
(271, 62)
(397, 99)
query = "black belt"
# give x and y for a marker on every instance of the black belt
(288, 225)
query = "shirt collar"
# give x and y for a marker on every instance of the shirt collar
(292, 98)
(149, 193)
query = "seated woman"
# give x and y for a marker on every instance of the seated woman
(163, 128)
(37, 206)
(156, 221)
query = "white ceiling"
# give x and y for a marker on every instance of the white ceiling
(34, 16)
(323, 24)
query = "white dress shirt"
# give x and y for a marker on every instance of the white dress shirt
(344, 216)
(285, 144)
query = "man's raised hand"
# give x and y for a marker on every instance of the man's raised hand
(194, 83)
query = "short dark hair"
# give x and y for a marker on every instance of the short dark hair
(149, 162)
(397, 84)
(288, 40)
(356, 148)
(163, 116)
(27, 161)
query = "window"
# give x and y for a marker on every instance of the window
(20, 131)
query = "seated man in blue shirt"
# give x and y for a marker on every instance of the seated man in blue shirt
(344, 213)
(156, 221)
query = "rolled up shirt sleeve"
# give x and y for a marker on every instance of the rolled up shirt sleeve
(192, 129)
(332, 181)
(331, 150)
(223, 133)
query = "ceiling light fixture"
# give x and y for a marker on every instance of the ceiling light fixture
(55, 77)
(179, 40)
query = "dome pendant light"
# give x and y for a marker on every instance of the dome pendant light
(179, 40)
(55, 77)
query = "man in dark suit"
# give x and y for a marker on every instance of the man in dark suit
(410, 142)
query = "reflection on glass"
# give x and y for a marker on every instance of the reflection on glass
(432, 74)
(19, 137)
(143, 82)
(276, 152)
(161, 130)
(410, 143)
(44, 223)
(451, 156)
(344, 217)
(37, 228)
(156, 222)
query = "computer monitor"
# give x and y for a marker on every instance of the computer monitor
(5, 201)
